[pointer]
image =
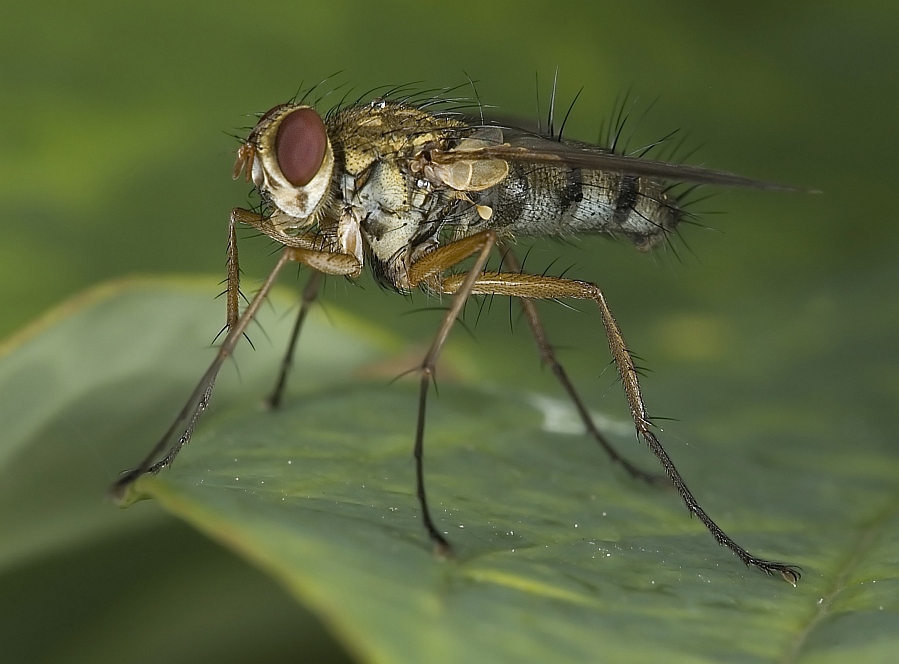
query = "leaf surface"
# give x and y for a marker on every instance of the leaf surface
(560, 557)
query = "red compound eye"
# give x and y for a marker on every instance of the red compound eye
(300, 146)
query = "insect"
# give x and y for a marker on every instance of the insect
(413, 192)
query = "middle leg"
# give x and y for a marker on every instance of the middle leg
(548, 357)
(428, 269)
(310, 292)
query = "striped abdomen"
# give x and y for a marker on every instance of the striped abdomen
(538, 200)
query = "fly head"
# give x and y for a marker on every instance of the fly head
(289, 158)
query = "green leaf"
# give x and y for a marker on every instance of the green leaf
(82, 392)
(560, 557)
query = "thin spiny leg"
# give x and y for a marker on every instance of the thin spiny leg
(442, 547)
(310, 292)
(629, 379)
(182, 428)
(537, 287)
(233, 288)
(548, 357)
(301, 249)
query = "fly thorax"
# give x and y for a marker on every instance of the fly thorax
(392, 211)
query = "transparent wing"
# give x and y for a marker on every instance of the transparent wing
(532, 149)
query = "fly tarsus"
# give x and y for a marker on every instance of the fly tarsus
(789, 573)
(190, 413)
(183, 426)
(480, 245)
(119, 489)
(442, 547)
(529, 286)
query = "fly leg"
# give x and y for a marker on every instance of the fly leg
(530, 286)
(310, 292)
(182, 428)
(428, 268)
(232, 292)
(303, 249)
(548, 357)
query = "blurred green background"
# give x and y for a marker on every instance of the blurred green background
(115, 159)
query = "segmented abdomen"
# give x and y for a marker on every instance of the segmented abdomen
(537, 200)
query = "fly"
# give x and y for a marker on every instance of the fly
(412, 193)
